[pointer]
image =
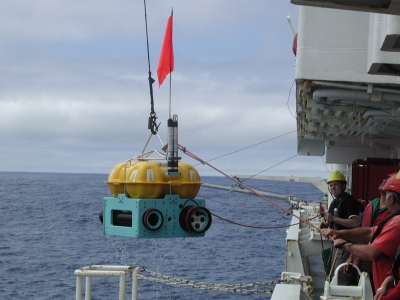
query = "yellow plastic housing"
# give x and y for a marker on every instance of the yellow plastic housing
(116, 176)
(148, 180)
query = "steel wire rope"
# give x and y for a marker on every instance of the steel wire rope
(296, 195)
(188, 153)
(220, 202)
(270, 168)
(259, 226)
(244, 203)
(152, 123)
(246, 225)
(250, 226)
(250, 146)
(324, 164)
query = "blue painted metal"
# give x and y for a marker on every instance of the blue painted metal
(170, 208)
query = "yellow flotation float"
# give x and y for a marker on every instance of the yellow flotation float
(150, 180)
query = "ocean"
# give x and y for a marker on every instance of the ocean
(49, 227)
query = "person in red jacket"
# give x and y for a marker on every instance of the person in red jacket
(386, 291)
(374, 213)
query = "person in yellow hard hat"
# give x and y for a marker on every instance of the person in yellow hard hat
(343, 213)
(344, 210)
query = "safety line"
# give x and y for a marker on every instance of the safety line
(259, 226)
(270, 168)
(253, 145)
(250, 226)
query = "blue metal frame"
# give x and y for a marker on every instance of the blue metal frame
(170, 208)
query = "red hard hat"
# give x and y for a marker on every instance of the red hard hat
(393, 183)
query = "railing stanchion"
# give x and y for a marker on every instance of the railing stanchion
(135, 272)
(78, 294)
(88, 288)
(122, 287)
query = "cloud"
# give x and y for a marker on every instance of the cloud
(74, 92)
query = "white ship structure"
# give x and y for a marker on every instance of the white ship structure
(348, 108)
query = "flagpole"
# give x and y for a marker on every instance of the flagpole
(170, 90)
(166, 63)
(170, 77)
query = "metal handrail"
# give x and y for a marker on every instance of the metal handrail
(106, 271)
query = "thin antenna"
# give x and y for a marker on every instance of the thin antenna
(291, 25)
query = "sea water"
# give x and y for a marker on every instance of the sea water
(49, 227)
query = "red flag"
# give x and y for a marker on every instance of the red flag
(166, 63)
(294, 47)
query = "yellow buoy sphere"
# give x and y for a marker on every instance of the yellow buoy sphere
(149, 180)
(116, 178)
(143, 181)
(190, 182)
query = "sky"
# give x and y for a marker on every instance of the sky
(75, 98)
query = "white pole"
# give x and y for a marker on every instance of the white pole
(88, 288)
(78, 293)
(291, 25)
(135, 288)
(170, 92)
(122, 287)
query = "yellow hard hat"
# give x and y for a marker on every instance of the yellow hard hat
(336, 176)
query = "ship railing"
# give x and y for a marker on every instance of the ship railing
(124, 271)
(106, 271)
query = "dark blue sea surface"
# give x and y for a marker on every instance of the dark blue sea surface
(49, 227)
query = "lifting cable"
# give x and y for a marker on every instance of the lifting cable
(152, 125)
(188, 153)
(260, 226)
(250, 226)
(251, 146)
(270, 168)
(256, 145)
(263, 226)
